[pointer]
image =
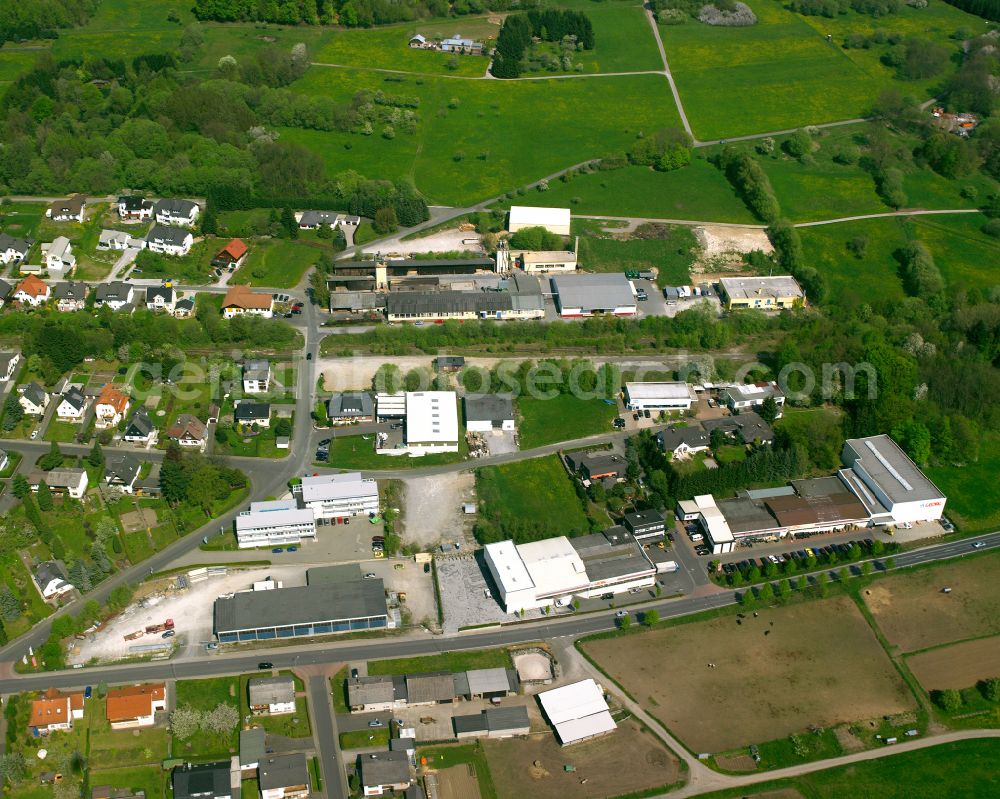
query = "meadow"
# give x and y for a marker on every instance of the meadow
(783, 73)
(672, 257)
(276, 263)
(562, 418)
(973, 490)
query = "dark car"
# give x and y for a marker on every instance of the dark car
(354, 673)
(277, 550)
(427, 568)
(309, 356)
(88, 692)
(265, 665)
(293, 549)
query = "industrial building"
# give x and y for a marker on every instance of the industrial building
(766, 293)
(337, 496)
(321, 607)
(517, 297)
(487, 412)
(273, 523)
(430, 423)
(536, 261)
(378, 272)
(578, 711)
(744, 396)
(645, 525)
(555, 570)
(554, 220)
(674, 395)
(494, 722)
(372, 694)
(598, 294)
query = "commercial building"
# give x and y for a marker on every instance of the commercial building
(284, 777)
(272, 523)
(578, 711)
(645, 525)
(673, 395)
(554, 220)
(430, 423)
(889, 483)
(240, 300)
(743, 396)
(135, 705)
(350, 407)
(319, 608)
(337, 496)
(766, 293)
(597, 294)
(555, 570)
(487, 412)
(518, 297)
(536, 261)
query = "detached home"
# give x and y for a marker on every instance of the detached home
(349, 407)
(258, 413)
(384, 772)
(134, 209)
(135, 705)
(118, 240)
(311, 220)
(176, 212)
(241, 300)
(273, 695)
(140, 429)
(184, 309)
(231, 255)
(70, 210)
(5, 290)
(110, 408)
(72, 482)
(203, 781)
(122, 471)
(50, 580)
(115, 295)
(256, 375)
(744, 396)
(32, 291)
(54, 711)
(70, 295)
(188, 431)
(284, 777)
(59, 258)
(681, 442)
(72, 406)
(34, 400)
(169, 240)
(8, 363)
(13, 251)
(161, 298)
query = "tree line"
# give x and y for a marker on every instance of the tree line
(550, 25)
(42, 19)
(987, 9)
(350, 13)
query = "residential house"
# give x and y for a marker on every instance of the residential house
(32, 291)
(8, 363)
(351, 406)
(110, 408)
(230, 256)
(59, 258)
(419, 41)
(241, 300)
(598, 465)
(284, 777)
(682, 442)
(136, 706)
(176, 212)
(311, 220)
(161, 298)
(116, 295)
(741, 397)
(51, 581)
(55, 710)
(384, 772)
(188, 431)
(70, 210)
(456, 44)
(374, 694)
(132, 208)
(253, 747)
(70, 481)
(203, 781)
(122, 471)
(169, 240)
(70, 295)
(140, 428)
(256, 375)
(5, 290)
(258, 413)
(273, 695)
(12, 250)
(449, 363)
(184, 309)
(73, 405)
(118, 240)
(34, 399)
(747, 427)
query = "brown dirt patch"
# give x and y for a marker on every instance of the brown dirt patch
(957, 666)
(534, 767)
(458, 782)
(914, 614)
(139, 520)
(736, 763)
(847, 740)
(820, 663)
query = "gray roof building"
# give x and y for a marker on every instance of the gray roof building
(351, 405)
(362, 691)
(612, 555)
(384, 768)
(34, 393)
(311, 219)
(882, 465)
(257, 369)
(431, 687)
(594, 293)
(114, 292)
(168, 236)
(5, 289)
(205, 781)
(46, 572)
(165, 293)
(20, 246)
(247, 412)
(70, 291)
(748, 425)
(447, 303)
(140, 425)
(252, 746)
(174, 207)
(597, 464)
(692, 436)
(123, 469)
(283, 771)
(449, 363)
(271, 691)
(488, 408)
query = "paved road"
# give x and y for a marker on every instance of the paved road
(334, 781)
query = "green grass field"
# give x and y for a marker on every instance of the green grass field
(699, 191)
(533, 492)
(973, 491)
(449, 661)
(276, 263)
(671, 257)
(361, 739)
(782, 73)
(577, 120)
(563, 418)
(965, 255)
(205, 695)
(354, 452)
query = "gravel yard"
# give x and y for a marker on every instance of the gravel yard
(443, 241)
(467, 597)
(433, 509)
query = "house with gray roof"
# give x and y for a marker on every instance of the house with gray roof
(8, 364)
(34, 399)
(70, 295)
(72, 405)
(140, 429)
(682, 442)
(284, 777)
(311, 220)
(350, 406)
(487, 412)
(176, 212)
(169, 240)
(383, 772)
(115, 295)
(13, 250)
(256, 375)
(272, 695)
(122, 471)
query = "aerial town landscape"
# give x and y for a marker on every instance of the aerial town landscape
(493, 399)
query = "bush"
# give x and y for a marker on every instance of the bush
(740, 16)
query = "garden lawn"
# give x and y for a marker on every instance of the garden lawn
(282, 724)
(782, 73)
(563, 418)
(149, 779)
(62, 432)
(276, 263)
(448, 661)
(455, 155)
(671, 257)
(472, 754)
(261, 445)
(353, 453)
(536, 495)
(20, 219)
(698, 192)
(973, 490)
(363, 739)
(205, 695)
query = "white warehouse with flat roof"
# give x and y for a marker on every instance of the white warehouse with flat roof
(336, 496)
(665, 396)
(554, 220)
(431, 422)
(578, 711)
(274, 523)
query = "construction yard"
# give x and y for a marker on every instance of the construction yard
(914, 612)
(535, 766)
(729, 682)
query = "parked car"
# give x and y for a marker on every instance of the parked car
(369, 575)
(88, 692)
(169, 634)
(277, 550)
(211, 646)
(354, 674)
(293, 549)
(375, 723)
(621, 614)
(427, 568)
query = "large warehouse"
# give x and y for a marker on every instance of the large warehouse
(587, 295)
(554, 570)
(666, 396)
(578, 711)
(430, 423)
(554, 220)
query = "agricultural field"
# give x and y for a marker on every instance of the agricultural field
(276, 263)
(550, 504)
(455, 155)
(957, 666)
(783, 73)
(562, 418)
(973, 491)
(534, 767)
(914, 614)
(819, 664)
